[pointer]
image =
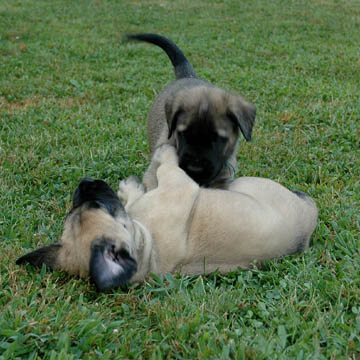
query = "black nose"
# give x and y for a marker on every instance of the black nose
(195, 165)
(194, 168)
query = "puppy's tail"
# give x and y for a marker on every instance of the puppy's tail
(310, 210)
(182, 66)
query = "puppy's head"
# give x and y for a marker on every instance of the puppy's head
(205, 122)
(97, 239)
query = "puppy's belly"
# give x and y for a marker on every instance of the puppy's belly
(233, 229)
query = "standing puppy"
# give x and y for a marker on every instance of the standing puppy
(202, 122)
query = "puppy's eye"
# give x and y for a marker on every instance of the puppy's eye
(222, 133)
(181, 130)
(215, 137)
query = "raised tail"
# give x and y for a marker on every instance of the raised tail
(182, 66)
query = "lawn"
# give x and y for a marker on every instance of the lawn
(73, 102)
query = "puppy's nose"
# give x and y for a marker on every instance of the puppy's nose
(194, 168)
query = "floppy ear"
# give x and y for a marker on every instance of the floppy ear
(110, 267)
(242, 113)
(172, 114)
(47, 255)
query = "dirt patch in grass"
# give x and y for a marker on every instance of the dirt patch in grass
(30, 103)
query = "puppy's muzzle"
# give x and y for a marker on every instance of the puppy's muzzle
(110, 267)
(201, 169)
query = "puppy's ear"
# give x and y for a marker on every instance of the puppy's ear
(172, 113)
(47, 255)
(242, 113)
(110, 267)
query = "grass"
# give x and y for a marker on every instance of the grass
(73, 102)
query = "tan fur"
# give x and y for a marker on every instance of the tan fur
(82, 228)
(190, 95)
(180, 227)
(200, 230)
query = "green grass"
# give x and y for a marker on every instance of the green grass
(73, 102)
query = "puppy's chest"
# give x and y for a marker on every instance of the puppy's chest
(168, 219)
(165, 213)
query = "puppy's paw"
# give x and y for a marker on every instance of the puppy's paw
(165, 154)
(130, 189)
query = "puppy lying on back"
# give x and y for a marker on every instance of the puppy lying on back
(177, 227)
(202, 121)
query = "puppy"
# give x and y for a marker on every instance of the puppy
(202, 121)
(93, 227)
(177, 227)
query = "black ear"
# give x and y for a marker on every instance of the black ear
(243, 114)
(172, 116)
(47, 255)
(98, 193)
(110, 267)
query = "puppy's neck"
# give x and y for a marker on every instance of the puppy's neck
(146, 252)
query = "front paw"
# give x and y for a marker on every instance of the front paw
(165, 154)
(130, 188)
